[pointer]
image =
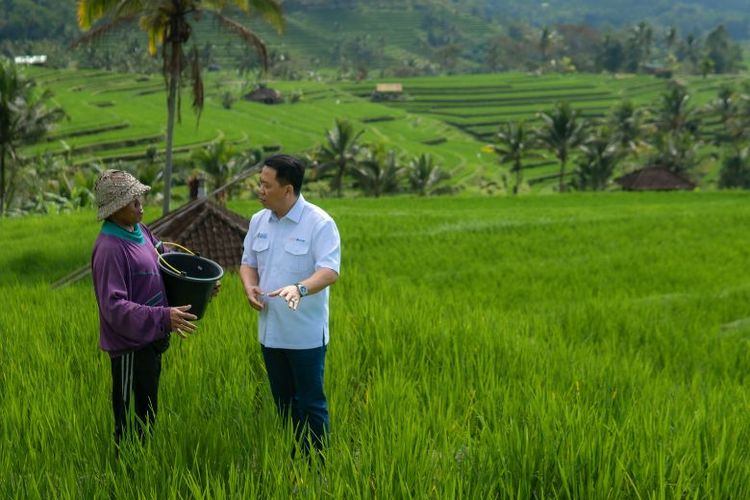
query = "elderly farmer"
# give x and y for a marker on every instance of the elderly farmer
(134, 318)
(291, 255)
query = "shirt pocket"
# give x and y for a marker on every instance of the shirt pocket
(260, 248)
(297, 258)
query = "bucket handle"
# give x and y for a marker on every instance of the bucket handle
(170, 266)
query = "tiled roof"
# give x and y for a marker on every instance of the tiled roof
(205, 228)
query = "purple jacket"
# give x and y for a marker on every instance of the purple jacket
(133, 310)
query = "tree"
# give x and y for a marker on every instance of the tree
(674, 113)
(725, 56)
(598, 161)
(166, 24)
(379, 172)
(512, 146)
(561, 132)
(735, 170)
(217, 159)
(425, 177)
(24, 118)
(339, 154)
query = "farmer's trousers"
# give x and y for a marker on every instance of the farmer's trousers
(296, 378)
(136, 373)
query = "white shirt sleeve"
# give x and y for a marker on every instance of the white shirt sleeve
(326, 246)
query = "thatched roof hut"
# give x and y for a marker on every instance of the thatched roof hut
(655, 179)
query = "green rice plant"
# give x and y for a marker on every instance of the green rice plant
(577, 346)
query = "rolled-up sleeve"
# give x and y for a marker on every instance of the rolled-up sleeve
(326, 246)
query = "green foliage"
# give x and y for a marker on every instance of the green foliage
(561, 131)
(735, 170)
(24, 118)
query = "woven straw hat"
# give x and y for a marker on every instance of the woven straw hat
(114, 189)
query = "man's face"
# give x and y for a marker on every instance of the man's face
(270, 192)
(129, 215)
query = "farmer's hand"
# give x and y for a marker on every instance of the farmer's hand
(216, 289)
(254, 295)
(289, 293)
(180, 320)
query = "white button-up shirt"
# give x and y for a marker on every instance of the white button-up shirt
(286, 251)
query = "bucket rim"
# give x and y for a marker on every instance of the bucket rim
(193, 279)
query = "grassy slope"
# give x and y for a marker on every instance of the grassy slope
(582, 346)
(464, 110)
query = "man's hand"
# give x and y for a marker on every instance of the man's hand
(180, 320)
(254, 295)
(289, 293)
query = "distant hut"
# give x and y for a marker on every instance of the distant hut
(654, 179)
(264, 95)
(387, 92)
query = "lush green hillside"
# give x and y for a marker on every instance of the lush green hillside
(577, 346)
(120, 115)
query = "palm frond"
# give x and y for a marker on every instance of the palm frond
(247, 36)
(94, 35)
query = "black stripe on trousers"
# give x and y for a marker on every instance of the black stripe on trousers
(135, 373)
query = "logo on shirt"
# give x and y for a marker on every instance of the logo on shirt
(262, 236)
(301, 240)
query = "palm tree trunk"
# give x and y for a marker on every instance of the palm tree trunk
(171, 101)
(2, 180)
(561, 189)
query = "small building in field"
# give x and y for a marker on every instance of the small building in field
(655, 179)
(387, 92)
(264, 95)
(39, 60)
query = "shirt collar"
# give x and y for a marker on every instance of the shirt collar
(295, 213)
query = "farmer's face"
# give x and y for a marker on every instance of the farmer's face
(271, 193)
(129, 215)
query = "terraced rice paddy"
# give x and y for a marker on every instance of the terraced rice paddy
(119, 116)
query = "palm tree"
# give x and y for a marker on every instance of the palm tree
(561, 132)
(735, 169)
(673, 114)
(339, 153)
(24, 118)
(425, 177)
(379, 173)
(166, 23)
(598, 161)
(513, 144)
(219, 160)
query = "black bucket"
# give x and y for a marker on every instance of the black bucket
(194, 284)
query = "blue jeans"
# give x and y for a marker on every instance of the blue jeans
(296, 377)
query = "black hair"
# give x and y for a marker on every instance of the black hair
(289, 170)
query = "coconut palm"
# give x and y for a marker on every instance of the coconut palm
(735, 169)
(600, 155)
(166, 24)
(339, 153)
(513, 143)
(379, 172)
(219, 160)
(425, 177)
(674, 113)
(24, 118)
(561, 132)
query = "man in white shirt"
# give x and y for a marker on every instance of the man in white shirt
(292, 253)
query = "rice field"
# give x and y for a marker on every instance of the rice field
(573, 346)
